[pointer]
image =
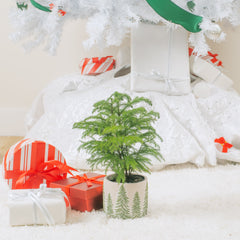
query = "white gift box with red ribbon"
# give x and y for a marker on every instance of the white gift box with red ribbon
(96, 65)
(210, 69)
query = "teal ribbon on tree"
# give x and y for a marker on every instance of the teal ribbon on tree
(173, 13)
(40, 7)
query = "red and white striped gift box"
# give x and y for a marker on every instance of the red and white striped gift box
(96, 65)
(26, 156)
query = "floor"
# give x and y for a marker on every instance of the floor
(6, 143)
(185, 203)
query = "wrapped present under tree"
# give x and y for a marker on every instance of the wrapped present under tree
(36, 206)
(30, 162)
(84, 191)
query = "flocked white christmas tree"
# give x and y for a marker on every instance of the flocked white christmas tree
(109, 21)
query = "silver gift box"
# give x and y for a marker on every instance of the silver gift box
(44, 206)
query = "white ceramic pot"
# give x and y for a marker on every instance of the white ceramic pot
(125, 200)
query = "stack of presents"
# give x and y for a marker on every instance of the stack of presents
(43, 187)
(162, 61)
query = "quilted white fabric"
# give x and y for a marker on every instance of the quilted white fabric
(188, 125)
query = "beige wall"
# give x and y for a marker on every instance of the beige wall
(23, 76)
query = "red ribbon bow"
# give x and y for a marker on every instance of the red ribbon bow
(220, 64)
(214, 57)
(225, 145)
(86, 179)
(50, 171)
(51, 6)
(61, 13)
(190, 51)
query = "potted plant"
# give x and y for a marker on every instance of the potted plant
(121, 138)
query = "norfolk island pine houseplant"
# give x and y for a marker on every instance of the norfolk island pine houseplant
(121, 138)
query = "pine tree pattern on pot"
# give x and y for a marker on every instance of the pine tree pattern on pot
(125, 200)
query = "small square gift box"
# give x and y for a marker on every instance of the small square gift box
(43, 206)
(31, 162)
(159, 59)
(84, 191)
(96, 65)
(210, 69)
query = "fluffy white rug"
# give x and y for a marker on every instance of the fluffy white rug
(185, 203)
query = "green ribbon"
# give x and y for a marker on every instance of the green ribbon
(40, 7)
(173, 13)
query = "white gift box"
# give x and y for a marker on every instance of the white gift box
(209, 72)
(159, 59)
(44, 206)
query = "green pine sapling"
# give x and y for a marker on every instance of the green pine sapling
(121, 136)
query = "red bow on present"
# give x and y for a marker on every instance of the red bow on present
(59, 167)
(190, 51)
(86, 179)
(225, 145)
(214, 57)
(220, 64)
(50, 171)
(51, 6)
(61, 13)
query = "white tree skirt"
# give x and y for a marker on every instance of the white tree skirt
(185, 203)
(188, 125)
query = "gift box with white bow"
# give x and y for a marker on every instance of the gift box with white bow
(159, 59)
(43, 206)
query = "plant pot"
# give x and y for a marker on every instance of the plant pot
(125, 200)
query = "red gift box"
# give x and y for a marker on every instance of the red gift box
(84, 191)
(30, 162)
